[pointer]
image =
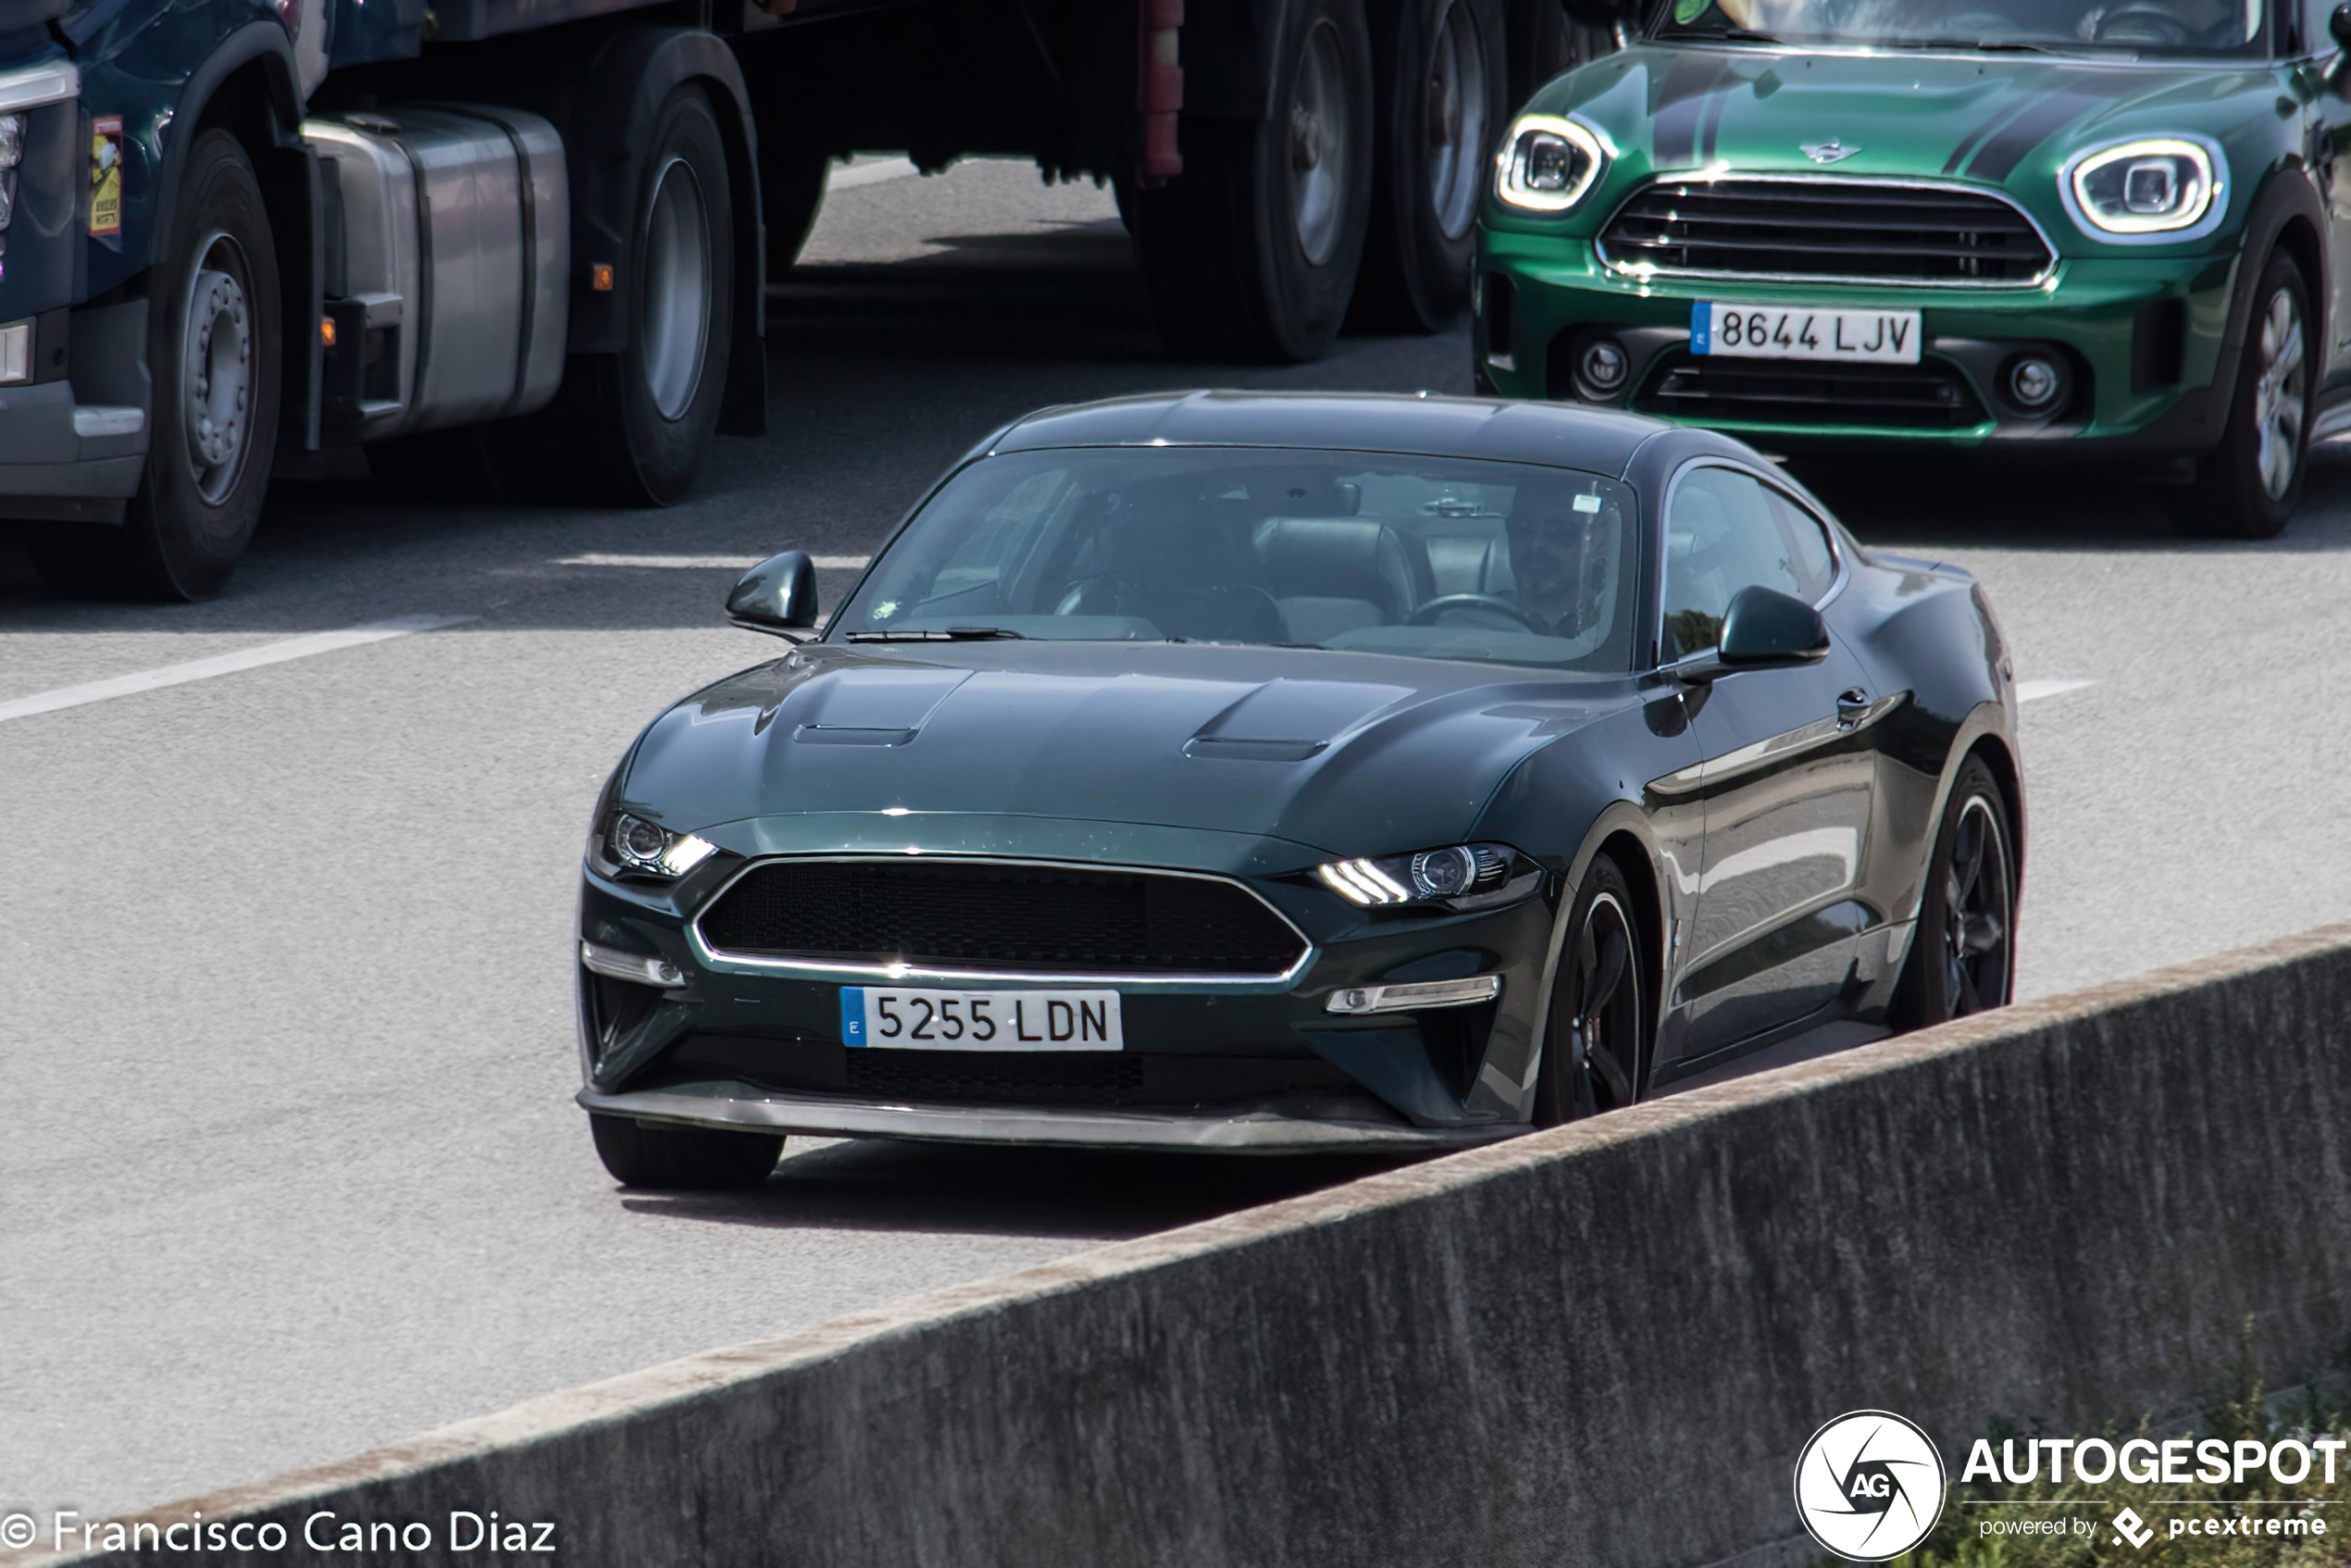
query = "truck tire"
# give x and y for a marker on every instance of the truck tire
(1251, 252)
(1437, 70)
(632, 429)
(213, 349)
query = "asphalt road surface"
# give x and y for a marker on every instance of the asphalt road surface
(288, 1162)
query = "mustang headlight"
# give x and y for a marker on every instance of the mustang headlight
(1548, 163)
(1461, 871)
(650, 849)
(2162, 189)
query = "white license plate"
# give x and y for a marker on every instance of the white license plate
(1780, 331)
(929, 1020)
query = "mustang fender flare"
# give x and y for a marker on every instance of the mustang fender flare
(1987, 722)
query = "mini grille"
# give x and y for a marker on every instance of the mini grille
(1826, 229)
(978, 1077)
(949, 914)
(1930, 396)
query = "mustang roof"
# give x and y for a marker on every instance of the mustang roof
(1592, 440)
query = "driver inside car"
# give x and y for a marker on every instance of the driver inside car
(1563, 550)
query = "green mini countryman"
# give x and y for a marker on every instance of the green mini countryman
(2102, 229)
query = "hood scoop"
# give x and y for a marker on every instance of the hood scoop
(1291, 720)
(870, 707)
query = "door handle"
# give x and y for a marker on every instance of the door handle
(1852, 707)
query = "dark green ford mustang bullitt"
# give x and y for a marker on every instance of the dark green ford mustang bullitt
(2104, 228)
(1251, 772)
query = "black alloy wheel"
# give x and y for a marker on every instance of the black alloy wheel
(2251, 484)
(1963, 955)
(1596, 1044)
(678, 1159)
(212, 332)
(1252, 252)
(1438, 74)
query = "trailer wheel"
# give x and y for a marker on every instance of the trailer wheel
(212, 346)
(1251, 252)
(1438, 75)
(633, 428)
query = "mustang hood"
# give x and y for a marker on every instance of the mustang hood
(1347, 752)
(2009, 119)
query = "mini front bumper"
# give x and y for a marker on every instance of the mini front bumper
(2145, 342)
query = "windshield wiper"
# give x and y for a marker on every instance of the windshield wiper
(1725, 36)
(953, 634)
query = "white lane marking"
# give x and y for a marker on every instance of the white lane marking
(224, 664)
(856, 174)
(708, 562)
(2034, 691)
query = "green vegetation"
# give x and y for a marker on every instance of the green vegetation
(2243, 1409)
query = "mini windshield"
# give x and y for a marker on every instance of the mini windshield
(2203, 26)
(1430, 557)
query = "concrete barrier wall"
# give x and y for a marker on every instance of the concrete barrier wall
(1605, 1344)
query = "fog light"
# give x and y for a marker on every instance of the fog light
(1419, 997)
(2035, 383)
(1605, 367)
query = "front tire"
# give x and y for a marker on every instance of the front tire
(681, 1159)
(1596, 1046)
(212, 332)
(1250, 253)
(1437, 73)
(1964, 953)
(2249, 488)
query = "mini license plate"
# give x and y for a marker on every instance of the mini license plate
(929, 1020)
(1781, 331)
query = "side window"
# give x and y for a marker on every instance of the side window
(1727, 532)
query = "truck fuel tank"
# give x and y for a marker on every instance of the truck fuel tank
(448, 270)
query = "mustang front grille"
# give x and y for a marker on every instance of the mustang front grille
(1829, 229)
(963, 914)
(1929, 396)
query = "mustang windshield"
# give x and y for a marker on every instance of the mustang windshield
(2203, 26)
(1432, 557)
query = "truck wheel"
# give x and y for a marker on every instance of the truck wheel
(1251, 252)
(632, 428)
(2249, 488)
(1437, 70)
(212, 346)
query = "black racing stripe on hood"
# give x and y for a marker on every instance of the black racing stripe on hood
(1681, 100)
(1975, 139)
(2044, 119)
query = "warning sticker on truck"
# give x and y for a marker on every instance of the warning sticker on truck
(105, 175)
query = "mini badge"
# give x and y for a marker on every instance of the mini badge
(105, 175)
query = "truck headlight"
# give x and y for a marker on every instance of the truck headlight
(1548, 163)
(650, 849)
(2163, 189)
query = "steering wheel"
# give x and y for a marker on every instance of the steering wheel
(1430, 613)
(2143, 21)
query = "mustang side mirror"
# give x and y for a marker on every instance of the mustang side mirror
(1764, 629)
(778, 596)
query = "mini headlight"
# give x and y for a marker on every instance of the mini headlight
(2163, 189)
(1548, 163)
(652, 850)
(1461, 871)
(11, 141)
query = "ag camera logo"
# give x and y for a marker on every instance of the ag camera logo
(1869, 1485)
